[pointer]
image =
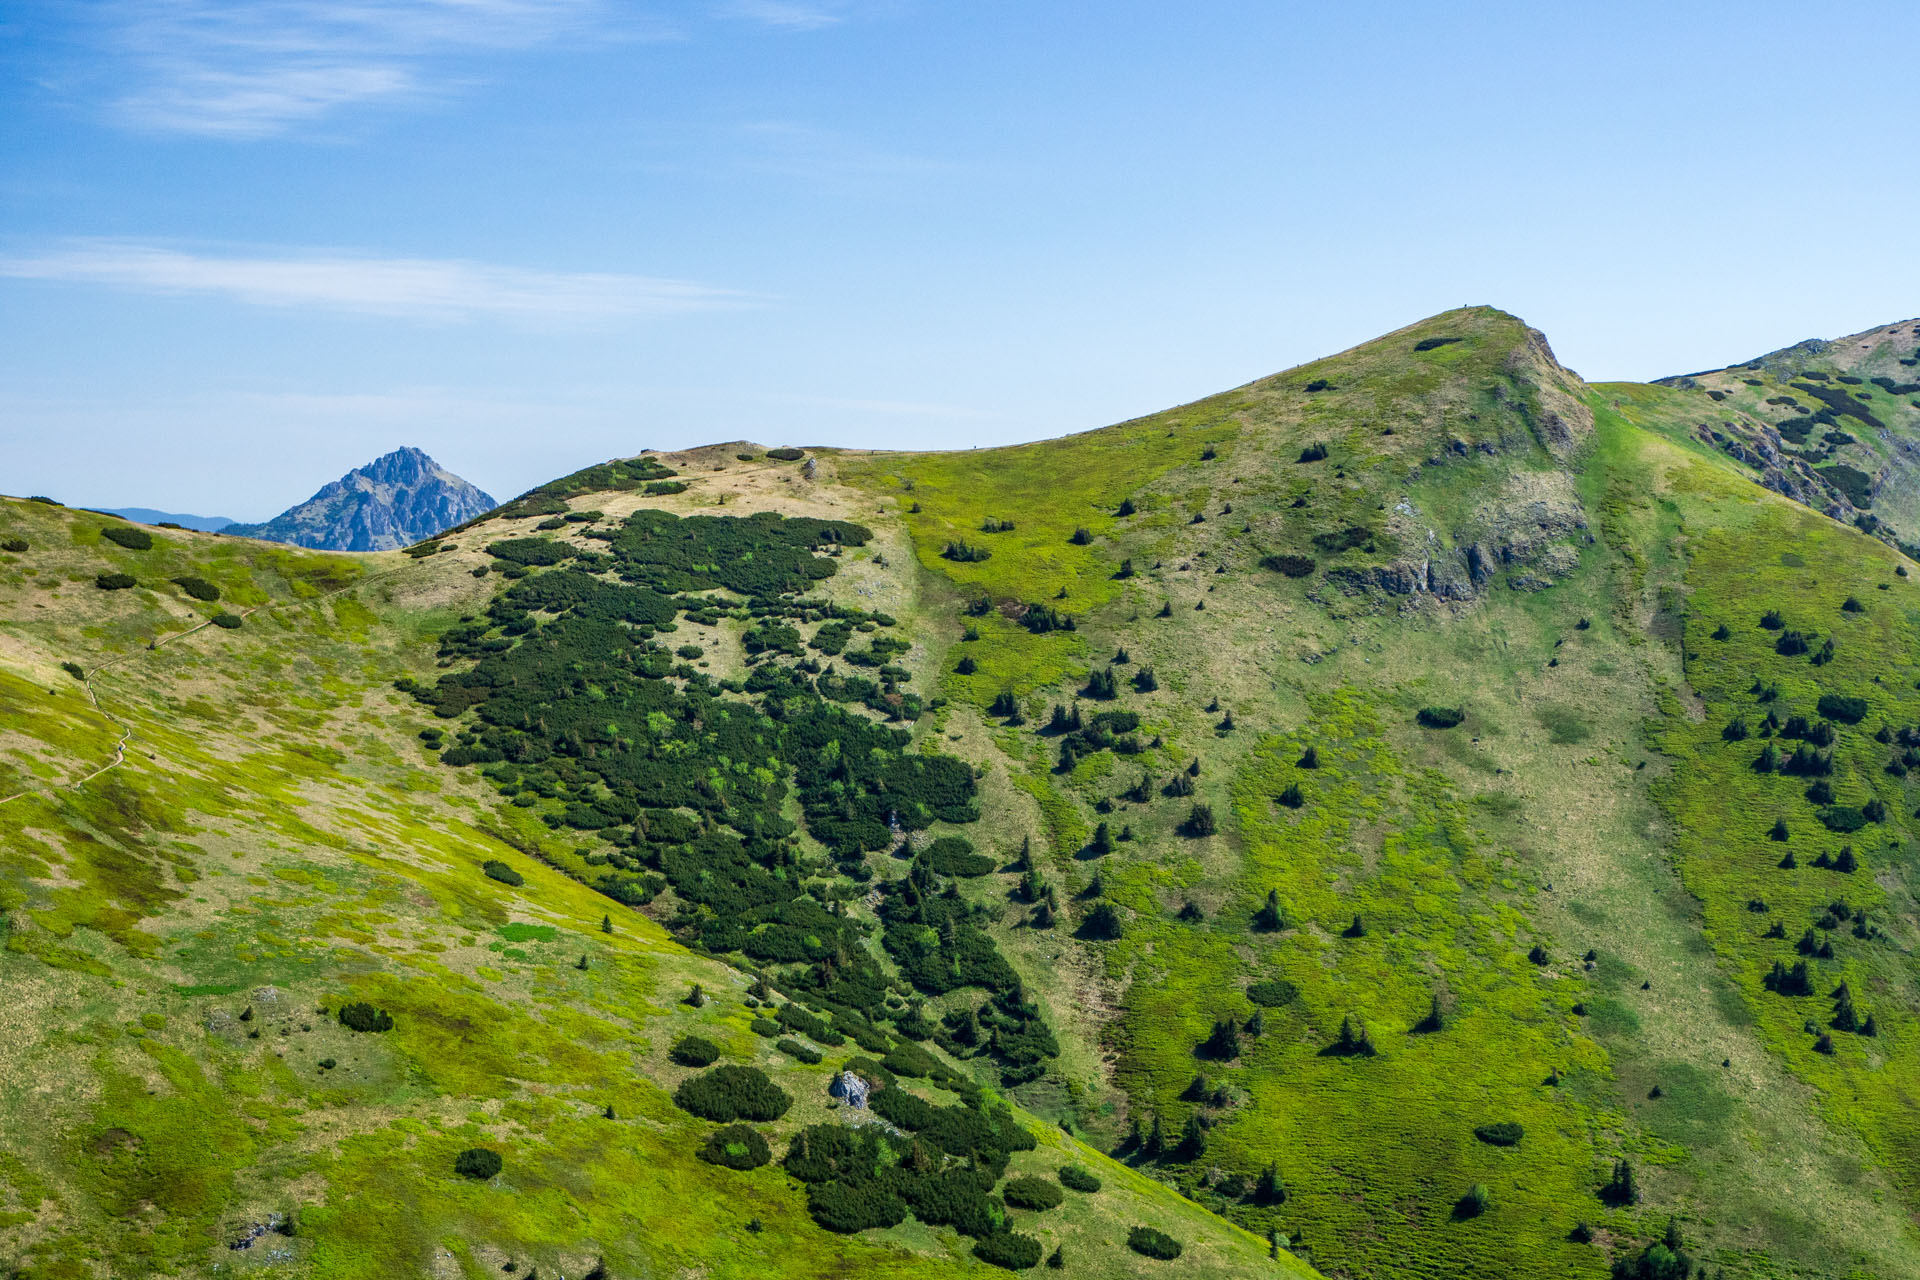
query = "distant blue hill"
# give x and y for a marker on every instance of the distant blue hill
(147, 515)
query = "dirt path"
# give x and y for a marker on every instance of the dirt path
(126, 729)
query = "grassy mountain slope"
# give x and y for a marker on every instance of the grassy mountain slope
(182, 928)
(1835, 425)
(1404, 994)
(1536, 822)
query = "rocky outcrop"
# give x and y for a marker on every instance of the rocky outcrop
(1530, 534)
(1548, 401)
(850, 1089)
(394, 501)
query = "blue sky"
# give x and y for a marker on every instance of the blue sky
(244, 247)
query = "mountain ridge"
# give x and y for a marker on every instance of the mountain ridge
(148, 515)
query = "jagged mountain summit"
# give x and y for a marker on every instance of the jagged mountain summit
(393, 501)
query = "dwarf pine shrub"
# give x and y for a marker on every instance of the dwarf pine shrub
(1074, 1178)
(129, 537)
(497, 870)
(1151, 1243)
(361, 1016)
(478, 1163)
(736, 1146)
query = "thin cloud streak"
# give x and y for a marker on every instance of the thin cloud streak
(782, 14)
(794, 149)
(411, 288)
(252, 70)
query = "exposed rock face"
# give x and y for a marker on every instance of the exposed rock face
(1531, 531)
(394, 501)
(850, 1089)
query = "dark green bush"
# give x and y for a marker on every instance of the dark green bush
(1846, 710)
(15, 545)
(1153, 1244)
(796, 1050)
(1294, 566)
(114, 581)
(1074, 1178)
(954, 856)
(1037, 1194)
(1440, 717)
(810, 1025)
(1476, 1202)
(1429, 344)
(74, 669)
(228, 621)
(1842, 818)
(1273, 993)
(1504, 1133)
(1199, 821)
(361, 1016)
(736, 1146)
(530, 551)
(1008, 1249)
(477, 1162)
(129, 537)
(695, 1051)
(1102, 923)
(732, 1093)
(786, 454)
(497, 870)
(852, 1206)
(198, 588)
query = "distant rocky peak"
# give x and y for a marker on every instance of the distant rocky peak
(394, 501)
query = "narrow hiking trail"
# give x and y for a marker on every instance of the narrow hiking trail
(126, 728)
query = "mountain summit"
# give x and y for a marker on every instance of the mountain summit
(393, 501)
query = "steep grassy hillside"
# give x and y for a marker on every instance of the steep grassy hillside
(1337, 800)
(1509, 560)
(184, 929)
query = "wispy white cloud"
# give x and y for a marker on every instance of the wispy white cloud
(803, 150)
(417, 288)
(787, 15)
(253, 68)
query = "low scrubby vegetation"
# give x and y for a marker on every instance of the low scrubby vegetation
(478, 1163)
(497, 870)
(736, 1146)
(361, 1016)
(732, 1093)
(1152, 1243)
(1074, 1178)
(127, 536)
(694, 1051)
